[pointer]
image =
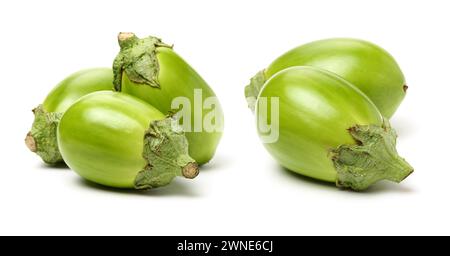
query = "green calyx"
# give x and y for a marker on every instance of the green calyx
(137, 58)
(166, 153)
(42, 137)
(252, 90)
(374, 158)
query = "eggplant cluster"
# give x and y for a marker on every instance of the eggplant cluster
(322, 110)
(328, 103)
(120, 127)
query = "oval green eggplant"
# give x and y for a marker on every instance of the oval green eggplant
(117, 140)
(149, 69)
(367, 66)
(42, 137)
(328, 129)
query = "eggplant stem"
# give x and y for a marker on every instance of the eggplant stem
(42, 137)
(30, 142)
(125, 36)
(252, 90)
(166, 154)
(372, 159)
(190, 171)
(137, 60)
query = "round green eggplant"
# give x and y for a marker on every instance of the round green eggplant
(117, 140)
(328, 130)
(42, 137)
(150, 70)
(367, 66)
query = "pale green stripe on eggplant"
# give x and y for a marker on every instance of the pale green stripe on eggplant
(149, 69)
(116, 140)
(317, 110)
(42, 137)
(369, 67)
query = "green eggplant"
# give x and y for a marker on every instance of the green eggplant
(328, 129)
(150, 70)
(367, 66)
(42, 137)
(117, 140)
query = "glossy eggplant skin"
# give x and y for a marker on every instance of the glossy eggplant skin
(77, 85)
(101, 137)
(42, 137)
(365, 65)
(316, 110)
(176, 78)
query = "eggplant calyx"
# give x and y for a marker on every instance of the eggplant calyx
(166, 153)
(42, 137)
(372, 159)
(137, 58)
(252, 90)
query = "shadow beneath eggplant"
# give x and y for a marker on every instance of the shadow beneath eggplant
(387, 187)
(58, 166)
(305, 179)
(380, 187)
(175, 188)
(218, 162)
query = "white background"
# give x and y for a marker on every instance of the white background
(242, 191)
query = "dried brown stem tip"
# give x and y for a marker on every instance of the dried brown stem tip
(191, 170)
(125, 35)
(30, 142)
(405, 88)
